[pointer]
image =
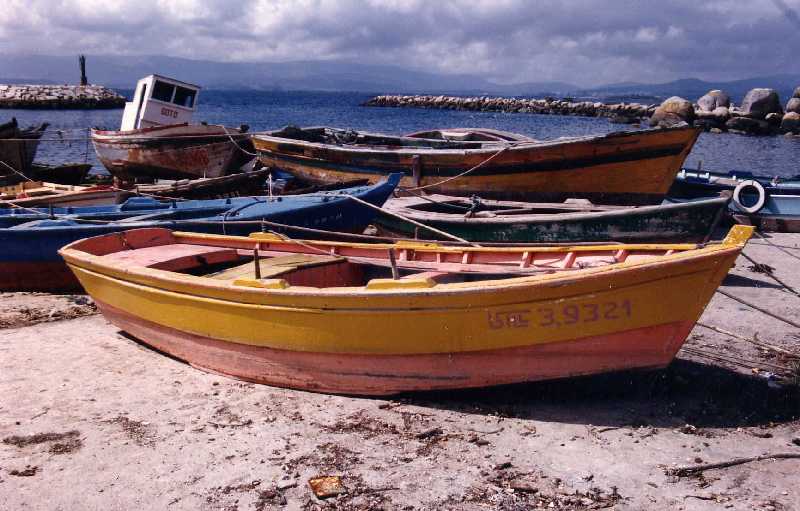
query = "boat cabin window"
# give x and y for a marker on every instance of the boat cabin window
(184, 97)
(163, 91)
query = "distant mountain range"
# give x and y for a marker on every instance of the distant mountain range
(692, 88)
(123, 72)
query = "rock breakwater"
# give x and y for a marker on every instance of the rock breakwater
(760, 113)
(547, 106)
(59, 97)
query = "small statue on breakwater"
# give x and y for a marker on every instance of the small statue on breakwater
(38, 96)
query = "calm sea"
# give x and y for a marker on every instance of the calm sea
(270, 110)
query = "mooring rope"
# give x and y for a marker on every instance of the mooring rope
(15, 171)
(735, 360)
(127, 139)
(768, 271)
(234, 142)
(440, 203)
(759, 309)
(476, 167)
(754, 341)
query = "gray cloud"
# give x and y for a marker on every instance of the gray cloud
(579, 41)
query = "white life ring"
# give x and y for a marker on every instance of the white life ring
(762, 196)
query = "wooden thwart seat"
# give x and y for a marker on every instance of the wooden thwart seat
(175, 257)
(272, 267)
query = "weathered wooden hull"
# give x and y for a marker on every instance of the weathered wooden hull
(621, 168)
(19, 150)
(170, 152)
(37, 194)
(397, 336)
(231, 185)
(687, 221)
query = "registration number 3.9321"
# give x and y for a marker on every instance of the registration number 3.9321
(560, 315)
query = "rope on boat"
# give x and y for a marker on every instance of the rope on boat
(15, 171)
(414, 222)
(759, 309)
(289, 239)
(245, 151)
(481, 164)
(128, 139)
(136, 191)
(12, 205)
(438, 203)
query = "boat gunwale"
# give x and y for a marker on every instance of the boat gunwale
(288, 202)
(409, 211)
(492, 147)
(156, 278)
(350, 292)
(151, 133)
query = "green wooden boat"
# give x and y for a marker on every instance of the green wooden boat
(574, 220)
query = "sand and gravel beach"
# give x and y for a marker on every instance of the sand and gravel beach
(92, 419)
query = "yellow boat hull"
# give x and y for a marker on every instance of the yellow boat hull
(384, 339)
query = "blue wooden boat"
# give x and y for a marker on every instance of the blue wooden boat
(30, 240)
(134, 206)
(768, 203)
(695, 183)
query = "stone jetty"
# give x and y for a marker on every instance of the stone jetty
(549, 106)
(59, 97)
(761, 111)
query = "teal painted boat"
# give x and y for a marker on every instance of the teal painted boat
(574, 220)
(771, 212)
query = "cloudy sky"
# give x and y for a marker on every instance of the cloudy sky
(585, 42)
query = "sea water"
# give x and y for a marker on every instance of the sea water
(66, 139)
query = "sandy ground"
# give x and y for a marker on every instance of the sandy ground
(90, 419)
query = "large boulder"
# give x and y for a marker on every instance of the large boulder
(791, 122)
(672, 112)
(714, 99)
(719, 114)
(714, 119)
(757, 103)
(796, 93)
(748, 125)
(793, 105)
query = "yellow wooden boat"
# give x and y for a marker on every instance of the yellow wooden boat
(385, 318)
